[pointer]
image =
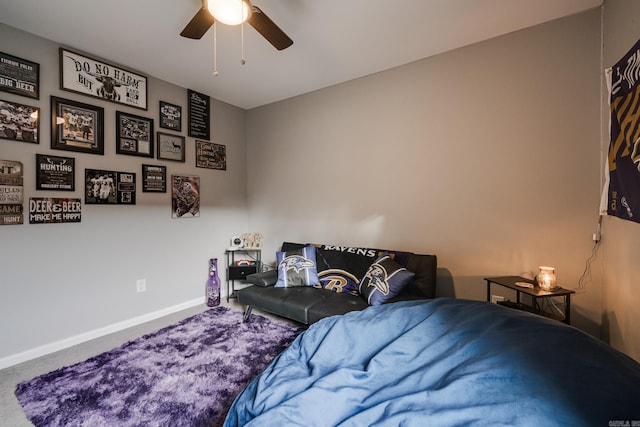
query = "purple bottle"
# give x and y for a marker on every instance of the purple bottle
(213, 284)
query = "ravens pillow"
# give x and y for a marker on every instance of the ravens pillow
(297, 267)
(384, 279)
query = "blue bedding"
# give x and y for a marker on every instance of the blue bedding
(442, 362)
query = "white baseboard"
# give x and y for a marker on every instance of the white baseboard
(96, 333)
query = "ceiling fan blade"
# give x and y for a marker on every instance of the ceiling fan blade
(198, 25)
(268, 29)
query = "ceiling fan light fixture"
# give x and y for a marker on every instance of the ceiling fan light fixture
(230, 12)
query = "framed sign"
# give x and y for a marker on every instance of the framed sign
(55, 173)
(19, 76)
(76, 126)
(11, 192)
(48, 210)
(210, 155)
(154, 179)
(170, 147)
(134, 135)
(185, 196)
(19, 122)
(170, 116)
(109, 187)
(199, 112)
(88, 76)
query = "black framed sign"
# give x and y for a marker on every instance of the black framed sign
(55, 173)
(210, 155)
(88, 76)
(109, 187)
(19, 76)
(154, 179)
(170, 116)
(199, 112)
(171, 147)
(76, 126)
(19, 122)
(134, 135)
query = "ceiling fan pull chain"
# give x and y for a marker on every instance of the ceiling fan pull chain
(215, 53)
(242, 61)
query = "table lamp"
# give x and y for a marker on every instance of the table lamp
(547, 278)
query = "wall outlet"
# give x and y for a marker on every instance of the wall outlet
(141, 285)
(496, 298)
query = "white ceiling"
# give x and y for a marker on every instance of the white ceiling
(334, 40)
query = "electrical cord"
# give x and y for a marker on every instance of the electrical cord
(587, 267)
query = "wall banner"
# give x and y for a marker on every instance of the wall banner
(623, 165)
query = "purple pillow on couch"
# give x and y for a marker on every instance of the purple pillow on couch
(297, 267)
(384, 279)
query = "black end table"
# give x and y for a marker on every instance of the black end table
(535, 292)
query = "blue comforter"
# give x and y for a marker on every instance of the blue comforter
(442, 362)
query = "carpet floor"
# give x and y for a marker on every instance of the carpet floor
(186, 374)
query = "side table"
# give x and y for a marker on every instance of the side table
(536, 293)
(240, 272)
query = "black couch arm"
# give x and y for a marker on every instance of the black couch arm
(265, 278)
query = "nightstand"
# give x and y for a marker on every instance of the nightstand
(535, 293)
(240, 272)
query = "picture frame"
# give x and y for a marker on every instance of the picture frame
(171, 147)
(92, 77)
(185, 196)
(12, 194)
(55, 173)
(154, 179)
(210, 155)
(134, 135)
(76, 126)
(19, 122)
(19, 76)
(104, 187)
(199, 112)
(170, 116)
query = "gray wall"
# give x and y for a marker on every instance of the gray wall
(61, 280)
(621, 239)
(487, 156)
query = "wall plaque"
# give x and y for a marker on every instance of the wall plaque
(199, 115)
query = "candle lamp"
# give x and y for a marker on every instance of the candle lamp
(547, 278)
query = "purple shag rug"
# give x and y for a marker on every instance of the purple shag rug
(187, 374)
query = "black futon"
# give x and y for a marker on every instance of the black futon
(308, 304)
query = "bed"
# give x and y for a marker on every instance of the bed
(442, 362)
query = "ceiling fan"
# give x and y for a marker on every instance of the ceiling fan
(204, 19)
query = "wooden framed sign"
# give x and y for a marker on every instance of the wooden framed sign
(210, 155)
(88, 76)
